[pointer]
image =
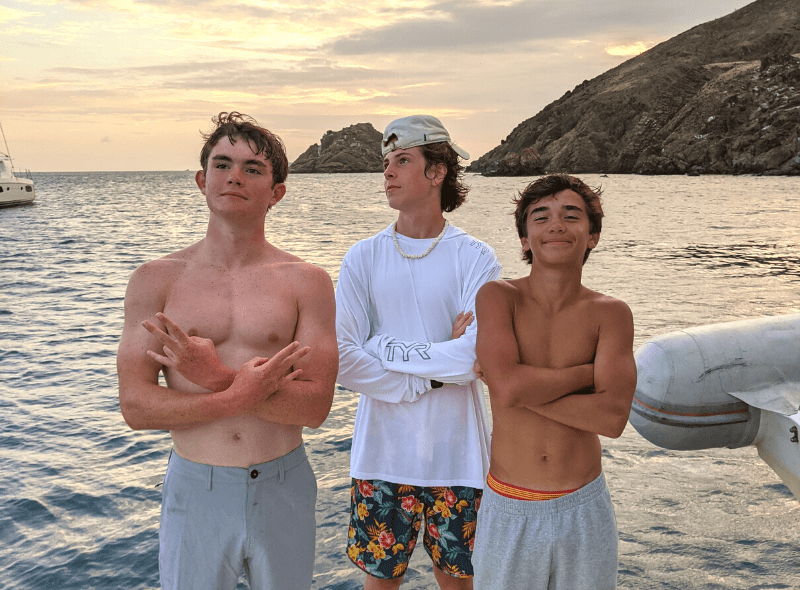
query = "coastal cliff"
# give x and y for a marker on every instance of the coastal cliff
(356, 148)
(721, 98)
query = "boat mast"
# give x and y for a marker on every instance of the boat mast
(7, 153)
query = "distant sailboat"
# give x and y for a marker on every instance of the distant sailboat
(14, 190)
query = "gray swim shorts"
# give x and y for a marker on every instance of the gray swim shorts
(217, 520)
(569, 543)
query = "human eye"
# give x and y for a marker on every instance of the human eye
(254, 171)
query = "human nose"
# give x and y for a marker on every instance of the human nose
(234, 175)
(388, 172)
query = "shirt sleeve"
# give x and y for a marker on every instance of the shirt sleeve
(359, 370)
(450, 361)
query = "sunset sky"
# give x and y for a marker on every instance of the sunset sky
(129, 84)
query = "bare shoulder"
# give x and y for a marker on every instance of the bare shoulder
(157, 274)
(500, 291)
(607, 308)
(306, 280)
(303, 272)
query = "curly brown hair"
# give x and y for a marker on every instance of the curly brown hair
(261, 140)
(454, 192)
(547, 186)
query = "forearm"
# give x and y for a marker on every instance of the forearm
(222, 379)
(301, 403)
(519, 385)
(148, 406)
(601, 413)
(449, 362)
(363, 373)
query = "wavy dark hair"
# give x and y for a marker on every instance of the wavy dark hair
(547, 186)
(236, 125)
(454, 192)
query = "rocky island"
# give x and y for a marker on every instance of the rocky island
(721, 98)
(356, 148)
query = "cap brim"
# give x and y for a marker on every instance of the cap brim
(460, 151)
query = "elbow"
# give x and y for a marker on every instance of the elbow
(316, 420)
(616, 425)
(132, 419)
(503, 395)
(319, 414)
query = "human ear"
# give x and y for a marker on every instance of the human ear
(439, 174)
(200, 179)
(278, 192)
(593, 241)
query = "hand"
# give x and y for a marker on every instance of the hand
(464, 319)
(476, 368)
(260, 377)
(192, 356)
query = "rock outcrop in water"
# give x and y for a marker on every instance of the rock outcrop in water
(353, 149)
(721, 98)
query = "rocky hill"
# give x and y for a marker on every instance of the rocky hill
(721, 98)
(353, 149)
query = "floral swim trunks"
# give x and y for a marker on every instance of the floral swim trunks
(385, 519)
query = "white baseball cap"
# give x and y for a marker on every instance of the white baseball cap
(414, 131)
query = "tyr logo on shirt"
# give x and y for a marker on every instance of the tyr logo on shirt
(406, 349)
(480, 246)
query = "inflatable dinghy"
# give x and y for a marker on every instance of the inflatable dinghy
(724, 385)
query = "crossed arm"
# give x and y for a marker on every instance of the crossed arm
(606, 410)
(294, 386)
(365, 365)
(592, 397)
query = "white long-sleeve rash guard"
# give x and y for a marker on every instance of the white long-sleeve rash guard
(394, 319)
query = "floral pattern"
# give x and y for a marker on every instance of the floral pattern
(385, 520)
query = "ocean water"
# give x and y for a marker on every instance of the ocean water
(79, 492)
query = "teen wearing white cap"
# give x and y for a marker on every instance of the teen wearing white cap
(405, 303)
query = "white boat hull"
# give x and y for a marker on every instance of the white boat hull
(16, 191)
(724, 385)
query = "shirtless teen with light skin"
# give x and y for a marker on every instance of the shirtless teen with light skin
(558, 360)
(245, 336)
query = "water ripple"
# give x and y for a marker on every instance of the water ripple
(80, 495)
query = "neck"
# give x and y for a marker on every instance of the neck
(420, 225)
(233, 244)
(555, 288)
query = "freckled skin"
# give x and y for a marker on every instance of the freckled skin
(252, 301)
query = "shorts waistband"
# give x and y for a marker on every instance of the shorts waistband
(514, 506)
(518, 493)
(237, 475)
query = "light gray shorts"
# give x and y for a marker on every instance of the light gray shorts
(569, 543)
(216, 520)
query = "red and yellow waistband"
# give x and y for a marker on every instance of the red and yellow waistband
(517, 493)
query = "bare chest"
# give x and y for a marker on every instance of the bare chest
(244, 314)
(564, 339)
